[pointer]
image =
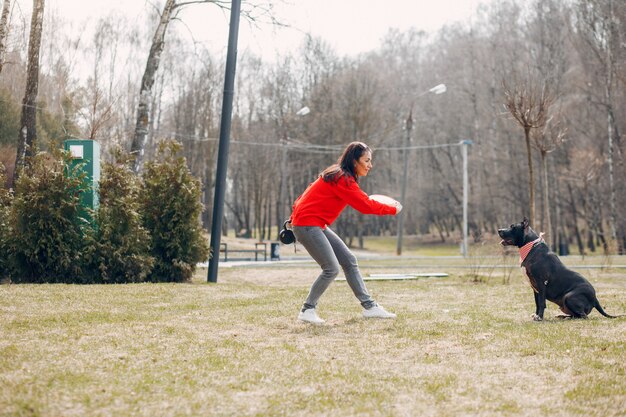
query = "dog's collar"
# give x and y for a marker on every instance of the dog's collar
(525, 250)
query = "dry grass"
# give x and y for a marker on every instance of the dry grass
(235, 349)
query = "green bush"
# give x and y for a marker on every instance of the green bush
(122, 244)
(171, 209)
(5, 225)
(48, 237)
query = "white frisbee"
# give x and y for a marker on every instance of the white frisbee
(384, 199)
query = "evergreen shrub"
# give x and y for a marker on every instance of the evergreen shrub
(122, 244)
(5, 225)
(171, 208)
(48, 239)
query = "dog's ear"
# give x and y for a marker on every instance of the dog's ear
(525, 222)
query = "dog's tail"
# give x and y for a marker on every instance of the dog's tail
(604, 313)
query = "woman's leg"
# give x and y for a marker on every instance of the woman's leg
(350, 267)
(316, 243)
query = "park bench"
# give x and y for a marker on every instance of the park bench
(260, 248)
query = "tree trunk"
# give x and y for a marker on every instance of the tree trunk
(531, 179)
(143, 108)
(28, 131)
(359, 229)
(546, 200)
(608, 98)
(268, 219)
(579, 239)
(558, 228)
(4, 30)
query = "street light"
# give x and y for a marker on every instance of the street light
(224, 143)
(283, 179)
(438, 89)
(303, 111)
(465, 144)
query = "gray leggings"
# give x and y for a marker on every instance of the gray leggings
(330, 252)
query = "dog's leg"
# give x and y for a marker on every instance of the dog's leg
(577, 304)
(540, 305)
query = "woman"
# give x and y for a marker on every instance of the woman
(317, 208)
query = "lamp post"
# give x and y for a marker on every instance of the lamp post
(283, 179)
(408, 124)
(464, 145)
(222, 156)
(438, 89)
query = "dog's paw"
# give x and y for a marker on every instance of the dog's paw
(536, 317)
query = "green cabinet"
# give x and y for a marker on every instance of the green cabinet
(87, 153)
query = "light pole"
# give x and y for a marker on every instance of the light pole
(464, 145)
(222, 156)
(283, 169)
(408, 124)
(438, 89)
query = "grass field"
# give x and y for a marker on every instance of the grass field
(235, 348)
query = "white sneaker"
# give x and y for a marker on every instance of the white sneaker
(378, 312)
(310, 316)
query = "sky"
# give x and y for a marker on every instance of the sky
(349, 26)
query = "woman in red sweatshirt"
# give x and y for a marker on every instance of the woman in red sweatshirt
(317, 208)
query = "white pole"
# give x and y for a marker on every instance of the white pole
(464, 145)
(400, 216)
(438, 89)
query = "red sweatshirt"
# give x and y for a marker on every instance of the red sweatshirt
(322, 202)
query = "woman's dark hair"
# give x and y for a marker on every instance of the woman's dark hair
(345, 165)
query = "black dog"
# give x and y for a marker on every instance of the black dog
(548, 276)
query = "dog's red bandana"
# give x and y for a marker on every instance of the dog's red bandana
(525, 250)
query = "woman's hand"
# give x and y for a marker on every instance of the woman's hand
(398, 207)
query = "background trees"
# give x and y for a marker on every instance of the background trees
(573, 48)
(4, 24)
(27, 134)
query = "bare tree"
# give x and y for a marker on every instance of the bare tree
(99, 101)
(28, 130)
(147, 81)
(547, 140)
(363, 98)
(529, 104)
(4, 30)
(169, 13)
(547, 32)
(98, 111)
(600, 29)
